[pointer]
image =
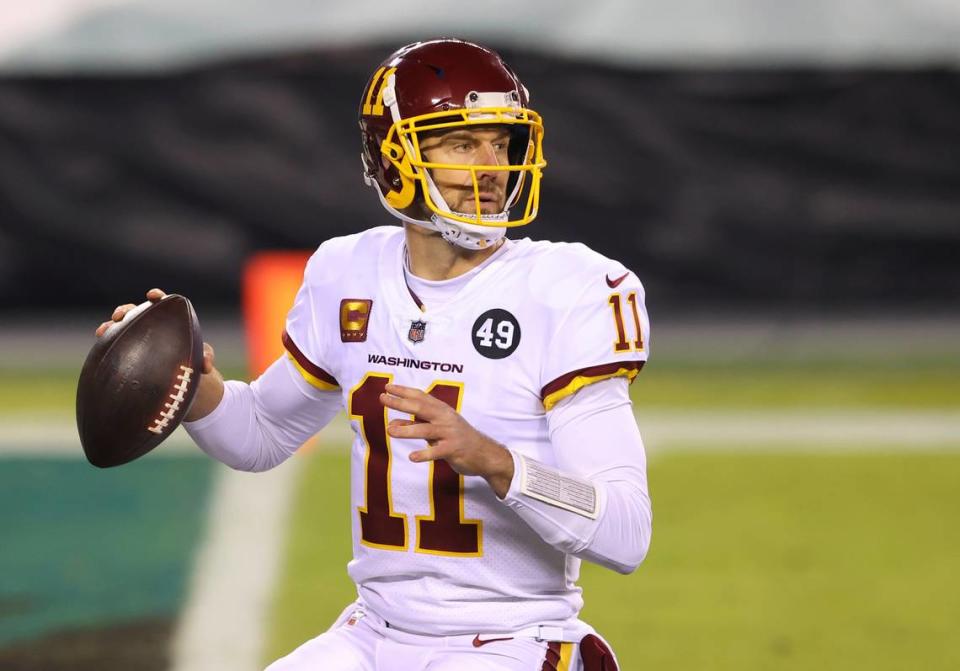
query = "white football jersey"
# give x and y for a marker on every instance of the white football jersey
(433, 551)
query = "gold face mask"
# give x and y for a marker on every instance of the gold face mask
(402, 147)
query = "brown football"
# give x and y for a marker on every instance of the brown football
(138, 381)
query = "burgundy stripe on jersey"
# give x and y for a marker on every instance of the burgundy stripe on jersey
(416, 299)
(552, 658)
(592, 371)
(305, 363)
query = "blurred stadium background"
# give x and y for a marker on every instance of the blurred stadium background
(785, 178)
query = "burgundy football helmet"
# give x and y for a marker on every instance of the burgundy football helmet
(437, 86)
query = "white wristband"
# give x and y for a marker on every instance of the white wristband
(558, 489)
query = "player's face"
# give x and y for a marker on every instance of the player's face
(470, 146)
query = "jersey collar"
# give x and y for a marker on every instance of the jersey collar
(394, 284)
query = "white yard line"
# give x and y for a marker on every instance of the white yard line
(806, 430)
(38, 435)
(662, 430)
(224, 622)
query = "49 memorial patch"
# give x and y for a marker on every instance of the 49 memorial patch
(496, 334)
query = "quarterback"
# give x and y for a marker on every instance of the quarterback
(485, 379)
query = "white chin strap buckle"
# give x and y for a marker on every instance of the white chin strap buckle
(468, 236)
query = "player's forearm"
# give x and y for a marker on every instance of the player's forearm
(208, 396)
(500, 473)
(228, 432)
(607, 522)
(258, 426)
(622, 536)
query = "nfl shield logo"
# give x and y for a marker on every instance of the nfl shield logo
(417, 330)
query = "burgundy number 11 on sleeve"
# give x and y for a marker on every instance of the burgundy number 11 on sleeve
(622, 344)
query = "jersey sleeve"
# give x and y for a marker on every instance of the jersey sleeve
(594, 503)
(604, 333)
(308, 336)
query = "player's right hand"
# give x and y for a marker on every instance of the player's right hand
(153, 296)
(120, 311)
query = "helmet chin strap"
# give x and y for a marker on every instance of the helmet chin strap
(457, 233)
(469, 236)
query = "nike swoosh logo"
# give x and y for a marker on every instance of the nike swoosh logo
(477, 642)
(613, 284)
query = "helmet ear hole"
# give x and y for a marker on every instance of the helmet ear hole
(402, 189)
(379, 165)
(517, 150)
(519, 143)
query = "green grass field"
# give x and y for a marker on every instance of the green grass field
(769, 559)
(762, 561)
(914, 384)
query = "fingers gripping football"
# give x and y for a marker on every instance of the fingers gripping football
(211, 381)
(121, 311)
(448, 435)
(153, 295)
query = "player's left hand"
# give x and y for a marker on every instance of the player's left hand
(449, 437)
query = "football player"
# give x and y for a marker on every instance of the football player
(485, 379)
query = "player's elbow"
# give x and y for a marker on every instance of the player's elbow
(623, 563)
(270, 455)
(634, 528)
(272, 447)
(628, 555)
(632, 557)
(256, 456)
(258, 466)
(625, 569)
(239, 462)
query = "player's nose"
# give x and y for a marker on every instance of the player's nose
(487, 156)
